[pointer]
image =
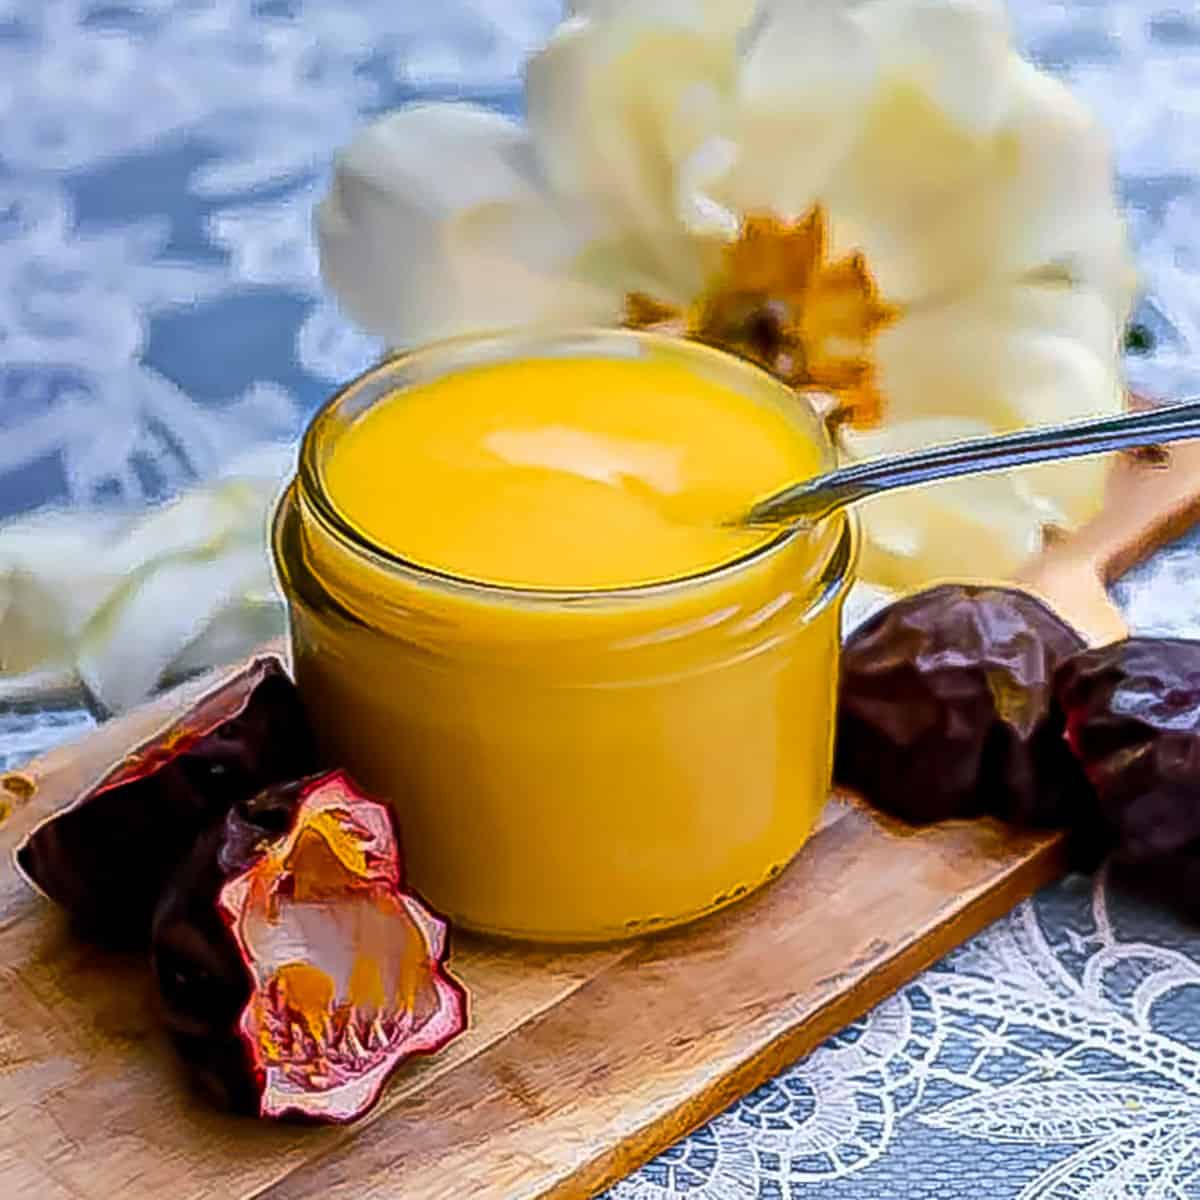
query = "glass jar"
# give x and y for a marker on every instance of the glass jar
(571, 767)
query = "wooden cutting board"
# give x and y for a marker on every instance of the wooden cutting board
(578, 1066)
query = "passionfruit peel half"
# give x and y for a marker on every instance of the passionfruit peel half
(107, 857)
(296, 972)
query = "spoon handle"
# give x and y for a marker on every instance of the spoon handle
(825, 494)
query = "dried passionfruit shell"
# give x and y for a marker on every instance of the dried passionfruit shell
(946, 709)
(107, 857)
(295, 972)
(1133, 718)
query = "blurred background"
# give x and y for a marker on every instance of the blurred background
(160, 307)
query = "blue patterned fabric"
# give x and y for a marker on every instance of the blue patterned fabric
(160, 307)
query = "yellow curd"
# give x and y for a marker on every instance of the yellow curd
(520, 613)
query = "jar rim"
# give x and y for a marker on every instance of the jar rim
(452, 354)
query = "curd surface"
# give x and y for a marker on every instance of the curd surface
(577, 474)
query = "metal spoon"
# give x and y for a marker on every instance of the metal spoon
(822, 495)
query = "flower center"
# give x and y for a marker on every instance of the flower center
(779, 301)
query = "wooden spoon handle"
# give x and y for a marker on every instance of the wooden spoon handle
(1148, 504)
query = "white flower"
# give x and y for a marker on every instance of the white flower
(121, 604)
(876, 199)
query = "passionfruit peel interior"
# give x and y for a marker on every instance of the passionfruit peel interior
(296, 972)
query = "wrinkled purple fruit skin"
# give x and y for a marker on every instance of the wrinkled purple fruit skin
(946, 710)
(107, 858)
(204, 983)
(1133, 719)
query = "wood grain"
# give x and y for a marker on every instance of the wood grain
(578, 1066)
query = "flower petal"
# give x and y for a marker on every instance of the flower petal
(125, 602)
(616, 107)
(52, 577)
(254, 618)
(1010, 357)
(943, 191)
(135, 636)
(1055, 206)
(953, 52)
(980, 528)
(803, 82)
(435, 226)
